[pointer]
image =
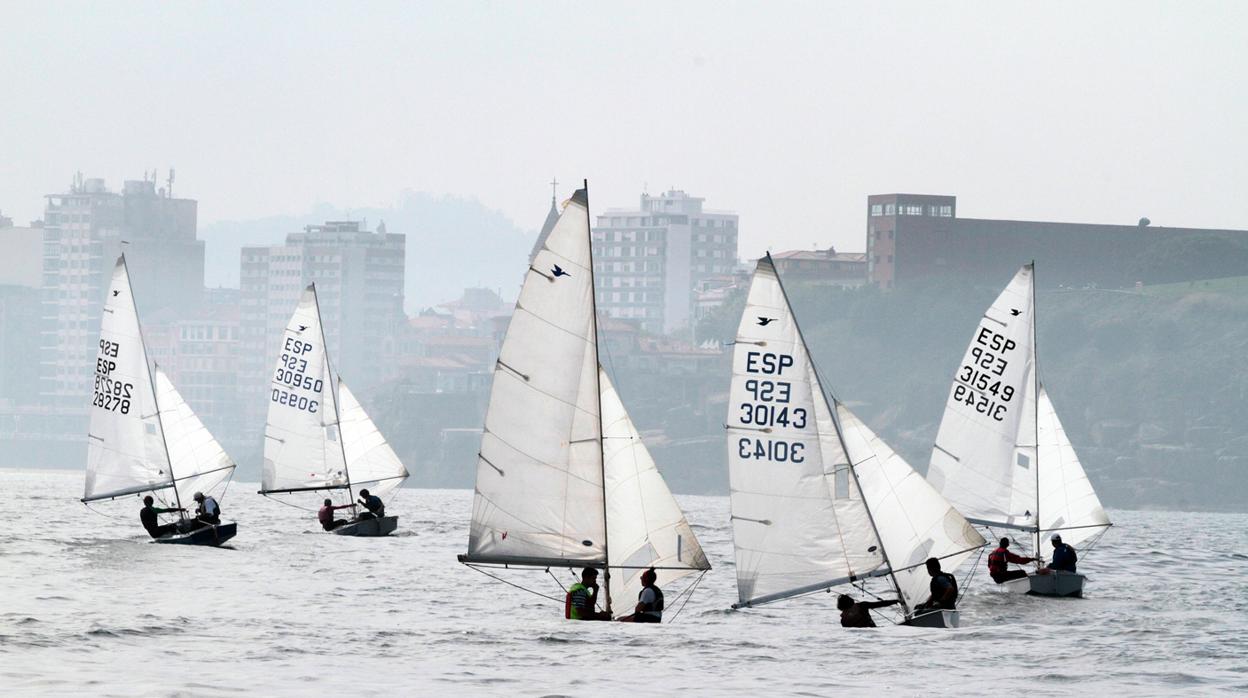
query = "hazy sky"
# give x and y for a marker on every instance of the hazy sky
(788, 113)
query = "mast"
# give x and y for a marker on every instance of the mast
(1035, 402)
(602, 458)
(836, 422)
(151, 380)
(333, 393)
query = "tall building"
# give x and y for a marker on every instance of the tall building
(359, 282)
(914, 236)
(647, 262)
(84, 231)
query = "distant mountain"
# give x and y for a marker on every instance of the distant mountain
(452, 243)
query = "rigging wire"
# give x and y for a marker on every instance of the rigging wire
(296, 506)
(513, 584)
(688, 594)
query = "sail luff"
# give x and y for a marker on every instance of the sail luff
(602, 456)
(1035, 409)
(333, 395)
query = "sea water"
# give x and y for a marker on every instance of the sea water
(89, 606)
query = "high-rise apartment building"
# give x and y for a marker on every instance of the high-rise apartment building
(359, 282)
(83, 232)
(648, 261)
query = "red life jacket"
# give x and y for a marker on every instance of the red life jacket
(998, 562)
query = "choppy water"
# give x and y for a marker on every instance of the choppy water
(87, 605)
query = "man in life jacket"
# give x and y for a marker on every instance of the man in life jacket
(1064, 556)
(582, 596)
(376, 508)
(208, 513)
(857, 614)
(649, 607)
(999, 563)
(326, 515)
(944, 589)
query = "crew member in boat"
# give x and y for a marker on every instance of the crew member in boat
(582, 597)
(944, 588)
(149, 517)
(208, 512)
(1064, 556)
(857, 614)
(999, 563)
(326, 515)
(376, 508)
(649, 607)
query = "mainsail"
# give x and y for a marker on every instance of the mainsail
(818, 500)
(318, 436)
(143, 436)
(563, 478)
(1001, 455)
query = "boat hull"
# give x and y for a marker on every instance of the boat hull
(933, 619)
(208, 535)
(369, 528)
(1060, 584)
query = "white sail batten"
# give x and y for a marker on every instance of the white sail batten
(539, 486)
(301, 437)
(125, 446)
(371, 463)
(645, 524)
(984, 460)
(798, 519)
(199, 462)
(913, 521)
(1068, 504)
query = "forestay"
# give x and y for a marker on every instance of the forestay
(539, 487)
(371, 463)
(301, 438)
(198, 461)
(125, 448)
(1067, 501)
(798, 521)
(984, 460)
(913, 521)
(645, 524)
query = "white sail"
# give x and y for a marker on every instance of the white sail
(539, 487)
(984, 460)
(1067, 501)
(301, 437)
(371, 463)
(913, 521)
(799, 523)
(198, 461)
(125, 448)
(645, 525)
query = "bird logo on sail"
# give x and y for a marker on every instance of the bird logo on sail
(558, 271)
(1015, 312)
(765, 321)
(302, 328)
(115, 292)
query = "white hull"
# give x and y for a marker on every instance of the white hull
(933, 619)
(369, 528)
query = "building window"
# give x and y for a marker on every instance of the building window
(889, 209)
(877, 209)
(946, 211)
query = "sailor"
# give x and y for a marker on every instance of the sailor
(148, 517)
(208, 513)
(1064, 556)
(581, 598)
(857, 614)
(326, 515)
(376, 507)
(944, 589)
(649, 607)
(999, 563)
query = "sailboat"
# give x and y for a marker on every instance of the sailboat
(318, 438)
(143, 437)
(818, 499)
(563, 478)
(1001, 455)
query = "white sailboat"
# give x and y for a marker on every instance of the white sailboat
(143, 437)
(318, 438)
(818, 500)
(1001, 455)
(563, 478)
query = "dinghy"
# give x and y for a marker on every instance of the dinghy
(563, 478)
(819, 500)
(318, 438)
(143, 437)
(1001, 455)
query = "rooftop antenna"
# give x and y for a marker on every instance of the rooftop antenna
(169, 187)
(554, 188)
